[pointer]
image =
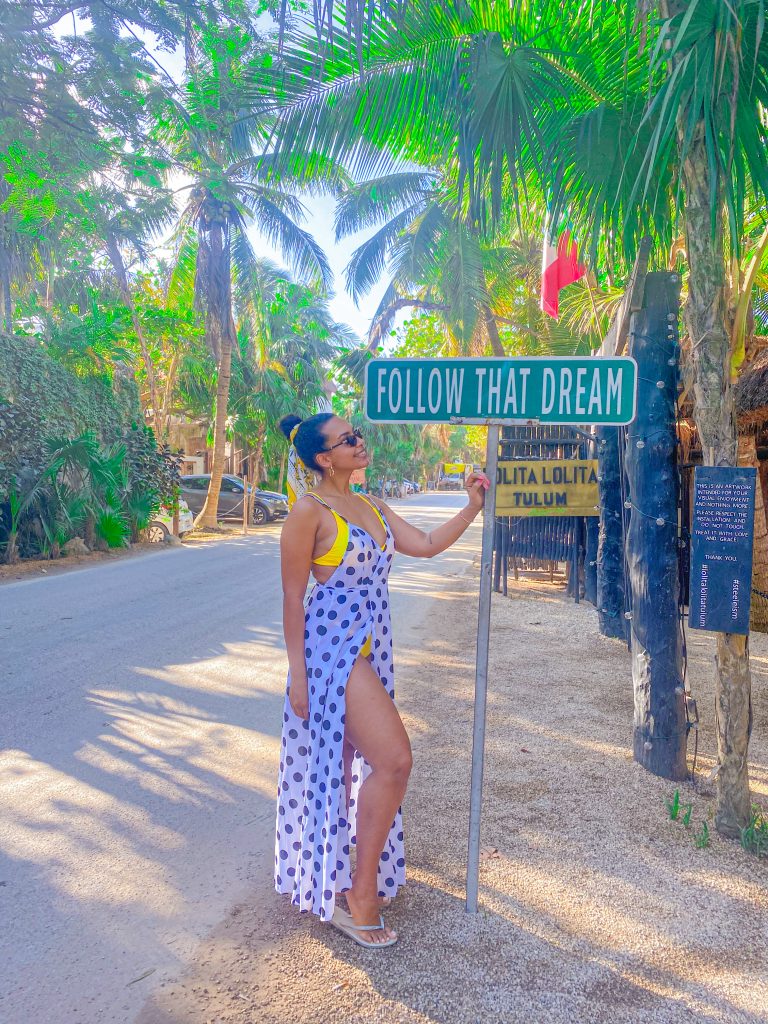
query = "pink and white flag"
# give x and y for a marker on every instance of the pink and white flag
(559, 267)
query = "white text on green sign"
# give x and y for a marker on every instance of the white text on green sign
(567, 390)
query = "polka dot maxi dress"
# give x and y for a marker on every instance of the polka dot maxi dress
(315, 829)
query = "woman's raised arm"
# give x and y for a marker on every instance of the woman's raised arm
(410, 540)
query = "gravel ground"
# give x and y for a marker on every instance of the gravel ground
(595, 906)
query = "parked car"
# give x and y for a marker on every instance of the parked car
(450, 482)
(395, 489)
(162, 522)
(267, 505)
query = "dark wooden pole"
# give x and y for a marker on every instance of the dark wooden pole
(575, 581)
(590, 559)
(660, 731)
(591, 533)
(610, 541)
(498, 554)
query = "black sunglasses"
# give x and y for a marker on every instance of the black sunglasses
(350, 439)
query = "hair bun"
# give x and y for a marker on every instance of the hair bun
(287, 423)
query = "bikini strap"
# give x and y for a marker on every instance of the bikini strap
(335, 554)
(311, 494)
(337, 516)
(375, 508)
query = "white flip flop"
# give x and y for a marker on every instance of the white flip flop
(343, 921)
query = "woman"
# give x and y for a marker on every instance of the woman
(345, 756)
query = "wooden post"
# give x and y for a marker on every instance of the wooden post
(591, 535)
(610, 542)
(505, 554)
(610, 539)
(660, 731)
(575, 562)
(590, 559)
(498, 555)
(246, 503)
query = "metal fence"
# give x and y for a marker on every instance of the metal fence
(541, 540)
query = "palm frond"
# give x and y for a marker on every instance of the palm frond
(300, 249)
(378, 200)
(113, 528)
(463, 284)
(182, 278)
(714, 96)
(370, 259)
(310, 171)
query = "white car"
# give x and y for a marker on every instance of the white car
(161, 525)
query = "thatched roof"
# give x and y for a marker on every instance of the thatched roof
(751, 392)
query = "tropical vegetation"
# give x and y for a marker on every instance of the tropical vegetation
(148, 149)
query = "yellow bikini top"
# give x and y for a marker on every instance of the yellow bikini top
(335, 555)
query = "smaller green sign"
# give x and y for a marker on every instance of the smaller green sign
(568, 390)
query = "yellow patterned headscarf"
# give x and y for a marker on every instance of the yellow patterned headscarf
(299, 479)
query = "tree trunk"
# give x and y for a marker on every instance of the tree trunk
(11, 548)
(209, 513)
(116, 259)
(248, 474)
(493, 332)
(220, 338)
(89, 532)
(247, 491)
(660, 732)
(170, 382)
(281, 478)
(6, 301)
(707, 321)
(257, 466)
(5, 294)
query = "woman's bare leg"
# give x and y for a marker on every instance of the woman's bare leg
(348, 756)
(373, 727)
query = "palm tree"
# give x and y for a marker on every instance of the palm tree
(287, 341)
(233, 185)
(435, 258)
(486, 293)
(125, 216)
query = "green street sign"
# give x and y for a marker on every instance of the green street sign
(569, 390)
(572, 389)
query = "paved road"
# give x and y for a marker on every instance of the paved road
(139, 732)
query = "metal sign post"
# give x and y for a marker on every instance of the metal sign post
(492, 392)
(481, 673)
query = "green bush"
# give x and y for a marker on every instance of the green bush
(754, 838)
(75, 456)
